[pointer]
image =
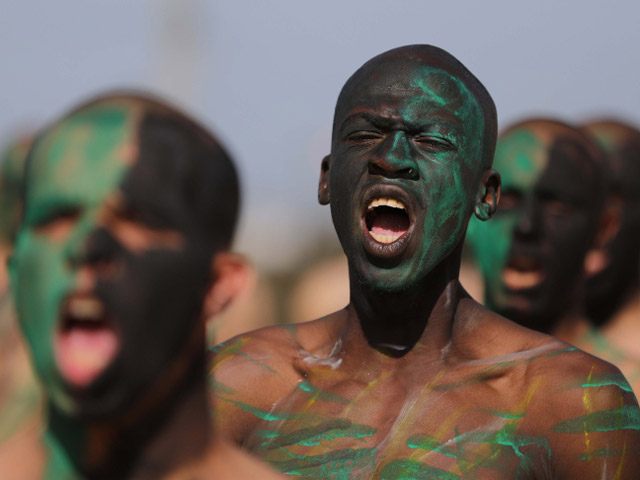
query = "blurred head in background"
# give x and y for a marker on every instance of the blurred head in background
(531, 254)
(609, 289)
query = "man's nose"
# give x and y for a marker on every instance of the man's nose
(393, 158)
(93, 247)
(528, 223)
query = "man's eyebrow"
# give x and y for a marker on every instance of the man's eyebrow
(435, 120)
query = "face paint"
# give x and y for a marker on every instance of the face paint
(531, 252)
(119, 272)
(404, 171)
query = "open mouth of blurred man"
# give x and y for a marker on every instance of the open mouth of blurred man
(85, 342)
(523, 272)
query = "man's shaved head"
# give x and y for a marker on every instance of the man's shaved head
(402, 60)
(180, 147)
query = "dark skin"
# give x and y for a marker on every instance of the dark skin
(613, 299)
(549, 218)
(125, 278)
(414, 379)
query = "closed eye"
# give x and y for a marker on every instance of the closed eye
(56, 223)
(364, 136)
(434, 142)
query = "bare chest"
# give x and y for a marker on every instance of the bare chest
(456, 428)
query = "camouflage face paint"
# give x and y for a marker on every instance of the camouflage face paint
(410, 136)
(98, 241)
(531, 253)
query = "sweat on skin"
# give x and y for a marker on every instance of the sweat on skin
(121, 275)
(414, 379)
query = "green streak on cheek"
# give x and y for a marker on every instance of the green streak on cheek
(40, 284)
(407, 469)
(266, 414)
(622, 418)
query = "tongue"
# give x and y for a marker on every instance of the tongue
(388, 223)
(82, 353)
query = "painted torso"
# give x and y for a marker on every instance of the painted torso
(328, 415)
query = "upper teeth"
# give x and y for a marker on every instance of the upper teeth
(86, 308)
(385, 202)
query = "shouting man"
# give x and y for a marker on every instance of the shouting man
(414, 379)
(129, 211)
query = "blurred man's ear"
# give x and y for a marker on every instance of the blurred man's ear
(597, 257)
(488, 195)
(231, 273)
(323, 187)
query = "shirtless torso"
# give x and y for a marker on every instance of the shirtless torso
(498, 402)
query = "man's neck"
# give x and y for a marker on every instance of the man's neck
(154, 446)
(394, 322)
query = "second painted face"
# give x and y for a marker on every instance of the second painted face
(109, 269)
(404, 170)
(531, 253)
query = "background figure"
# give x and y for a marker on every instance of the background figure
(613, 294)
(531, 254)
(19, 394)
(122, 253)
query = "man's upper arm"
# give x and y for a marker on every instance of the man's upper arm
(595, 424)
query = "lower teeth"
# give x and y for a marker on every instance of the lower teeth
(384, 238)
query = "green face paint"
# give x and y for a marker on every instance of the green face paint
(519, 158)
(414, 138)
(531, 253)
(79, 163)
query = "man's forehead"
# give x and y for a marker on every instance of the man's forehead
(404, 78)
(525, 154)
(86, 153)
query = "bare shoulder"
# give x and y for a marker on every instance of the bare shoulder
(486, 334)
(22, 455)
(251, 372)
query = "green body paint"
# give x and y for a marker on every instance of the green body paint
(624, 418)
(407, 469)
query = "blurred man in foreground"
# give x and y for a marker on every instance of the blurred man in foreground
(129, 212)
(414, 379)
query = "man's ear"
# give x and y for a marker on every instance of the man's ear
(323, 186)
(488, 195)
(597, 258)
(231, 274)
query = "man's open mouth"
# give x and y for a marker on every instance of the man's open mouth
(86, 342)
(523, 272)
(387, 220)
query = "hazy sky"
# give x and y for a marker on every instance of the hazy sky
(265, 74)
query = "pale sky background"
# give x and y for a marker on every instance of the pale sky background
(265, 75)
